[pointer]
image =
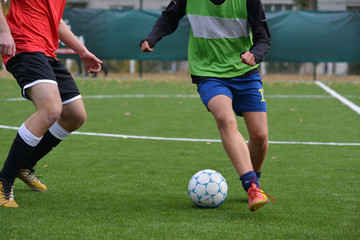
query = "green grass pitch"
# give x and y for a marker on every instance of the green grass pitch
(103, 187)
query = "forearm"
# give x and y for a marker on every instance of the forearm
(260, 50)
(160, 30)
(70, 40)
(4, 28)
(7, 44)
(168, 22)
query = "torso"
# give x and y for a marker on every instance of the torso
(34, 25)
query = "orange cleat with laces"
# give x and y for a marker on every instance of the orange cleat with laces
(257, 198)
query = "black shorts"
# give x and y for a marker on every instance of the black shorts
(31, 68)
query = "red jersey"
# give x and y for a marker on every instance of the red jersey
(34, 25)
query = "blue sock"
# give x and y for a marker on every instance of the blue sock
(258, 174)
(247, 179)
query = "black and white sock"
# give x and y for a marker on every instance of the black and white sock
(20, 152)
(50, 140)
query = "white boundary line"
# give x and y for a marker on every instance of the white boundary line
(192, 139)
(351, 105)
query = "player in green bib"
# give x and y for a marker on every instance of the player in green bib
(228, 39)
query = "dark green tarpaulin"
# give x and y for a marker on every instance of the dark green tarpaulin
(116, 34)
(297, 36)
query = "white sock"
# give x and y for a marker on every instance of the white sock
(28, 137)
(59, 132)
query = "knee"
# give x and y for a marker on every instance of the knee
(76, 120)
(225, 121)
(52, 114)
(259, 138)
(80, 119)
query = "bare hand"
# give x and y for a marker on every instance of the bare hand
(91, 62)
(7, 44)
(248, 58)
(145, 47)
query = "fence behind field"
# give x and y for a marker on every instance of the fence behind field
(297, 36)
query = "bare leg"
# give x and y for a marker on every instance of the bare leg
(232, 140)
(47, 101)
(257, 126)
(73, 115)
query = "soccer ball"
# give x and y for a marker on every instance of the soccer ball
(207, 189)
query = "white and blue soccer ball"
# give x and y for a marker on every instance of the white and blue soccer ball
(207, 189)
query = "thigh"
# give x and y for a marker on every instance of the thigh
(73, 110)
(45, 96)
(221, 107)
(256, 123)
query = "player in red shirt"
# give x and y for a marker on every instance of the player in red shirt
(28, 39)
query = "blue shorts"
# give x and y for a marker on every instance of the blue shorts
(247, 94)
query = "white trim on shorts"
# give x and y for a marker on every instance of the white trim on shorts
(71, 99)
(35, 83)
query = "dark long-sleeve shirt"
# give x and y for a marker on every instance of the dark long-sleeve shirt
(176, 10)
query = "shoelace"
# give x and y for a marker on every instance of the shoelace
(261, 191)
(31, 177)
(9, 195)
